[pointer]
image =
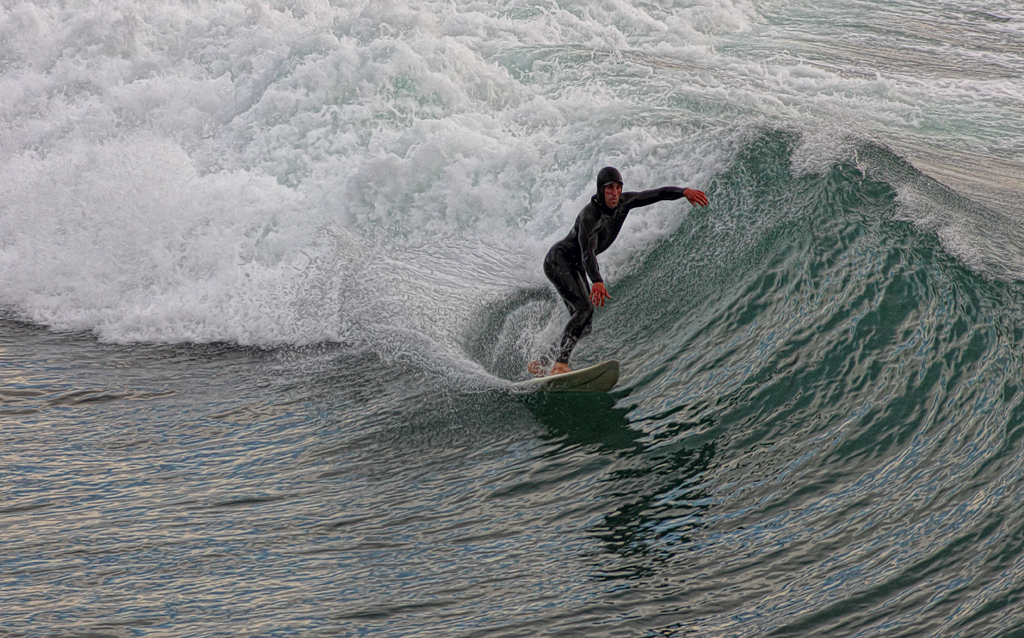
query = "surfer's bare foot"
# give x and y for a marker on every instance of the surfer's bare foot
(560, 368)
(536, 368)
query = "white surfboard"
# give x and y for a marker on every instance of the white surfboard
(599, 378)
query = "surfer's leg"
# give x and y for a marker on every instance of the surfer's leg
(571, 284)
(580, 320)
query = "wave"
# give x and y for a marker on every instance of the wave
(200, 173)
(812, 386)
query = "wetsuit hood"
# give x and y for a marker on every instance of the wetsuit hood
(605, 176)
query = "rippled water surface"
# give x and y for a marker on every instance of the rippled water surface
(267, 270)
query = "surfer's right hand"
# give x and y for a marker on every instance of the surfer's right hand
(598, 293)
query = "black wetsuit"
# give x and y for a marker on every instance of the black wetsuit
(572, 260)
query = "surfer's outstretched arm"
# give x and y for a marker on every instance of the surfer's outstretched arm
(665, 193)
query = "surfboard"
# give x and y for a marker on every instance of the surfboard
(599, 378)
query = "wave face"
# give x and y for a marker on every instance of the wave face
(829, 403)
(831, 415)
(309, 235)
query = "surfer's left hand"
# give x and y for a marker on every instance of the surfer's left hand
(598, 293)
(695, 197)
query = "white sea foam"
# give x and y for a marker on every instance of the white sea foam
(286, 172)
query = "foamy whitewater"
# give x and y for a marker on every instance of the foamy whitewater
(244, 171)
(287, 228)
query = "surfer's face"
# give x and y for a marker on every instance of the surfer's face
(612, 192)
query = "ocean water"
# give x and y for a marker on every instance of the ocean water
(268, 268)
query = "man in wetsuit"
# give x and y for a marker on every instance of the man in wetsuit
(573, 260)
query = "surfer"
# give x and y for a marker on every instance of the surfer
(573, 260)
